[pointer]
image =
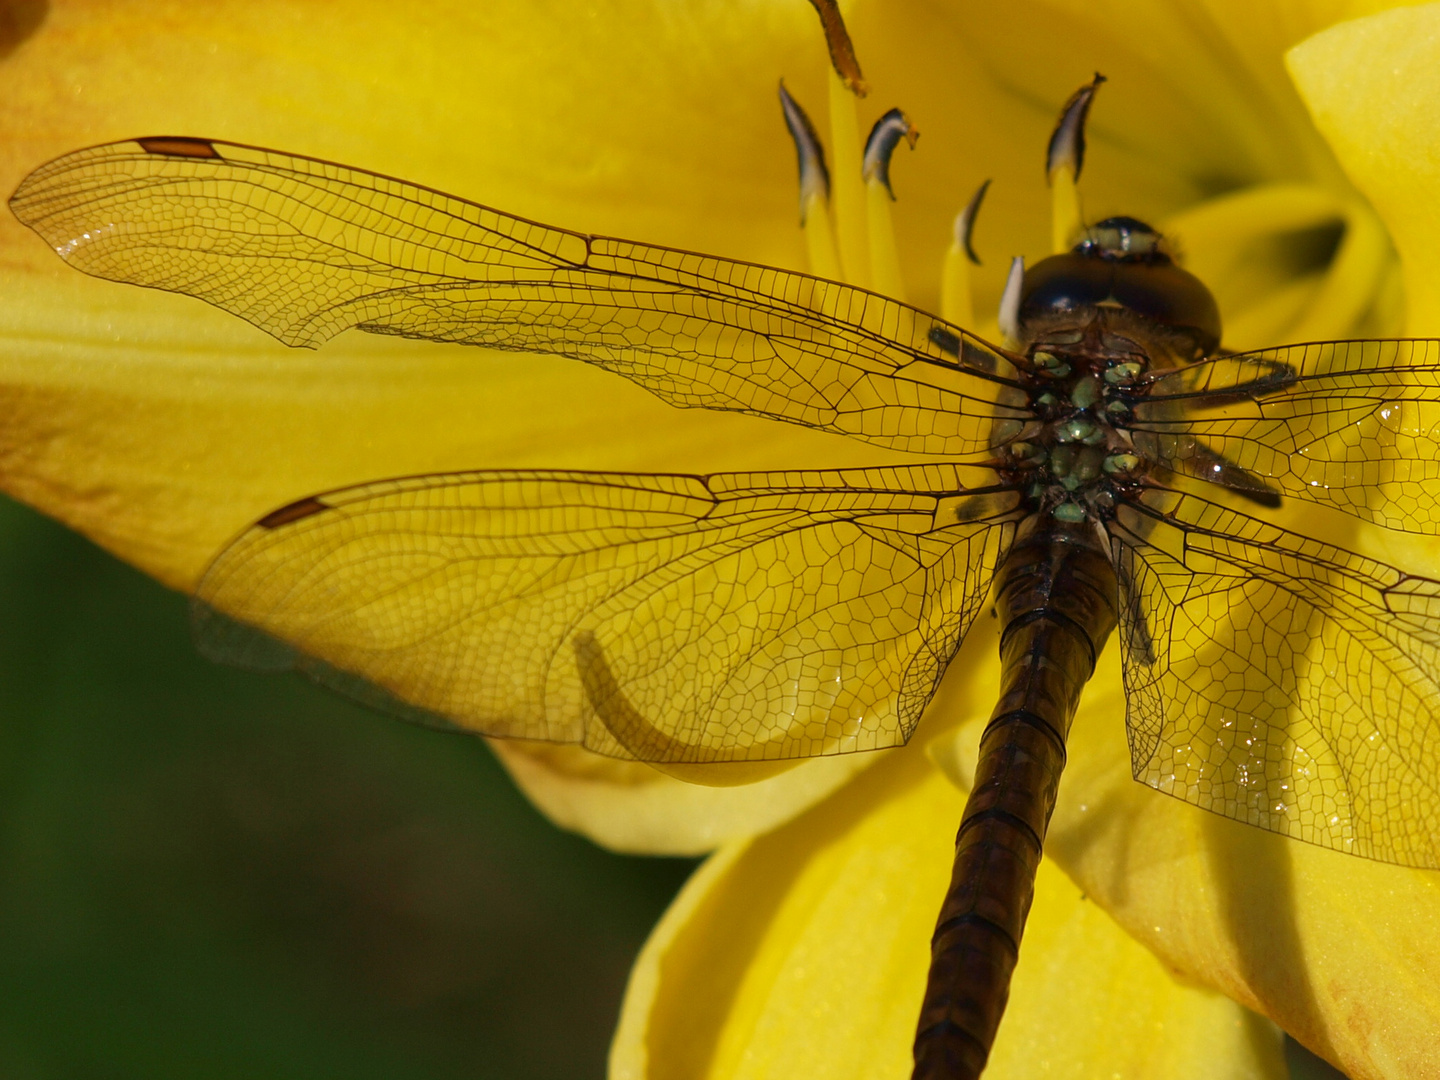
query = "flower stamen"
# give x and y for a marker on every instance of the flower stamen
(880, 229)
(1063, 162)
(842, 53)
(814, 189)
(848, 187)
(957, 303)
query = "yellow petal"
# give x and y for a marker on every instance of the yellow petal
(624, 117)
(1373, 88)
(1290, 262)
(627, 806)
(803, 953)
(159, 427)
(1198, 104)
(1341, 952)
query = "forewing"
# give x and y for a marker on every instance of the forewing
(736, 617)
(1282, 681)
(1350, 424)
(305, 249)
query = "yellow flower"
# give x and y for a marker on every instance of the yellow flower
(159, 428)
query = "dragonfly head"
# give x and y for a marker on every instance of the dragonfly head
(1121, 263)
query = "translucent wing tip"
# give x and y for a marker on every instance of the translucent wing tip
(140, 212)
(45, 200)
(226, 640)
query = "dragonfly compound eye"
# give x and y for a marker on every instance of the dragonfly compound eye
(1121, 263)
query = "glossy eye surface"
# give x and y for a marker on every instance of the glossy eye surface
(1120, 261)
(1164, 292)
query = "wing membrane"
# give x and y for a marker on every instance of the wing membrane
(305, 249)
(1281, 681)
(737, 617)
(1354, 425)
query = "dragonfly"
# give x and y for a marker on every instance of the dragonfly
(1109, 469)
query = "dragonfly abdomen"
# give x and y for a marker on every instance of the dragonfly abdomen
(1056, 597)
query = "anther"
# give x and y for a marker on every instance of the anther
(1063, 162)
(842, 52)
(875, 168)
(814, 176)
(965, 222)
(956, 299)
(880, 147)
(814, 188)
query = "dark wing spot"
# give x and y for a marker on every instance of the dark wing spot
(945, 341)
(971, 356)
(179, 146)
(977, 358)
(1213, 466)
(1275, 378)
(295, 511)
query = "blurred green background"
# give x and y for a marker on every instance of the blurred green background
(210, 874)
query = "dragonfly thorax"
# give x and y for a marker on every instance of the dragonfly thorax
(1076, 457)
(1095, 324)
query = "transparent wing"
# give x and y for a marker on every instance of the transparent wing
(667, 618)
(1281, 681)
(1350, 424)
(305, 249)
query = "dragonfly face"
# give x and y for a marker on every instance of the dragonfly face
(1121, 265)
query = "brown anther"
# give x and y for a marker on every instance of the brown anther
(880, 146)
(1067, 141)
(965, 222)
(842, 53)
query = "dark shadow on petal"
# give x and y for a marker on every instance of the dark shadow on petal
(19, 19)
(1304, 1065)
(1255, 890)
